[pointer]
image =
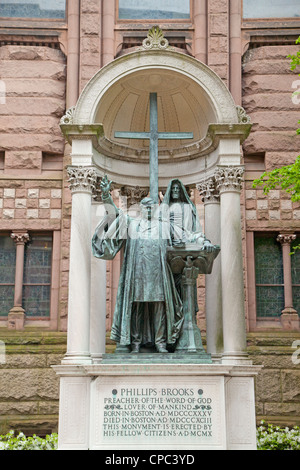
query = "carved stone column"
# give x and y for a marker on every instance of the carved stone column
(82, 183)
(229, 182)
(289, 316)
(213, 284)
(16, 316)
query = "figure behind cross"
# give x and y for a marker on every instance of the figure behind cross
(153, 137)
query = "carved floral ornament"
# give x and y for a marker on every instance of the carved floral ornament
(243, 117)
(82, 179)
(286, 238)
(20, 238)
(208, 191)
(155, 40)
(229, 178)
(134, 195)
(68, 117)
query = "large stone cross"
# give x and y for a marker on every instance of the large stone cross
(154, 136)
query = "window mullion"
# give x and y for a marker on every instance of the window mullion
(16, 316)
(286, 239)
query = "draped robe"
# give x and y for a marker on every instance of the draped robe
(145, 273)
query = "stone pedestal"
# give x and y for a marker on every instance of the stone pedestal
(157, 406)
(16, 318)
(190, 338)
(190, 261)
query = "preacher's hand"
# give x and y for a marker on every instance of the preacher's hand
(208, 247)
(105, 187)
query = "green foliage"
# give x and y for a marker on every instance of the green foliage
(21, 442)
(295, 59)
(286, 177)
(270, 437)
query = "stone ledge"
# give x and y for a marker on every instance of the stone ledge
(11, 337)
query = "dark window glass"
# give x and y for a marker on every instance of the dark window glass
(295, 259)
(154, 9)
(269, 277)
(7, 274)
(42, 9)
(271, 9)
(37, 276)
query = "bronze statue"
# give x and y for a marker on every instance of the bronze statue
(148, 309)
(149, 305)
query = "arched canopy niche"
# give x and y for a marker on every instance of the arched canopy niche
(191, 98)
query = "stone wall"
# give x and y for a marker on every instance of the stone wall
(29, 388)
(35, 100)
(278, 383)
(32, 192)
(218, 38)
(30, 203)
(267, 98)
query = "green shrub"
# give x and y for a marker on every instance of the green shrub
(21, 442)
(270, 437)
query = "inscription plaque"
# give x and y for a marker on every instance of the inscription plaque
(158, 412)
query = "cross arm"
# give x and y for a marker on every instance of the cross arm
(175, 135)
(132, 135)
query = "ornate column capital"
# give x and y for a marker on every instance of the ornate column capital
(20, 237)
(229, 178)
(82, 179)
(134, 195)
(208, 191)
(286, 238)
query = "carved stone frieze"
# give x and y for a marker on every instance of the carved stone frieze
(82, 179)
(229, 178)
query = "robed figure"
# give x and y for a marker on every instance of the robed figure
(182, 214)
(148, 308)
(185, 228)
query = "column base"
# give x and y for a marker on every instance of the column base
(16, 318)
(97, 358)
(235, 358)
(216, 358)
(77, 358)
(290, 319)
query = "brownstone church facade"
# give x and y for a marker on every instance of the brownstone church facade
(49, 50)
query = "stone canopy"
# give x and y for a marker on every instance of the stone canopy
(191, 98)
